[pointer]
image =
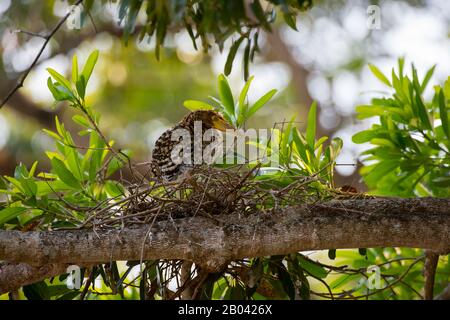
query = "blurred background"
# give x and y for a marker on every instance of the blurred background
(139, 97)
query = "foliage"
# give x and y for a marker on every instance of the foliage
(77, 180)
(210, 22)
(301, 154)
(409, 157)
(236, 112)
(411, 154)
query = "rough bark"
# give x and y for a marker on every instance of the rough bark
(380, 222)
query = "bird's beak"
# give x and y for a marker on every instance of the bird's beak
(222, 125)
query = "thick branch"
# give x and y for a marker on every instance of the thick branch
(381, 222)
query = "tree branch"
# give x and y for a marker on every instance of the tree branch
(431, 262)
(380, 222)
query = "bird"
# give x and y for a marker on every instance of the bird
(163, 165)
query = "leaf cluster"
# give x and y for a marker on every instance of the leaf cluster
(411, 142)
(209, 23)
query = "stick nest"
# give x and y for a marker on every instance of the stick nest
(209, 191)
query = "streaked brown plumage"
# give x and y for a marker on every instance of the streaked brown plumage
(162, 164)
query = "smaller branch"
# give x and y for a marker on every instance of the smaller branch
(36, 59)
(388, 286)
(185, 279)
(14, 295)
(87, 285)
(33, 34)
(431, 262)
(91, 19)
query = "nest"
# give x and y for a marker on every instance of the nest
(210, 191)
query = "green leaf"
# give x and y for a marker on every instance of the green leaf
(285, 143)
(191, 34)
(197, 105)
(60, 78)
(114, 165)
(311, 128)
(315, 270)
(377, 73)
(300, 146)
(332, 254)
(363, 136)
(244, 92)
(379, 171)
(443, 113)
(242, 105)
(36, 291)
(260, 103)
(58, 95)
(64, 174)
(81, 86)
(286, 281)
(344, 279)
(401, 64)
(82, 121)
(57, 290)
(10, 213)
(114, 188)
(16, 183)
(320, 142)
(259, 13)
(421, 109)
(231, 55)
(52, 134)
(226, 96)
(383, 142)
(89, 66)
(28, 184)
(442, 182)
(367, 111)
(427, 78)
(290, 19)
(69, 296)
(49, 187)
(21, 172)
(74, 162)
(74, 69)
(246, 59)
